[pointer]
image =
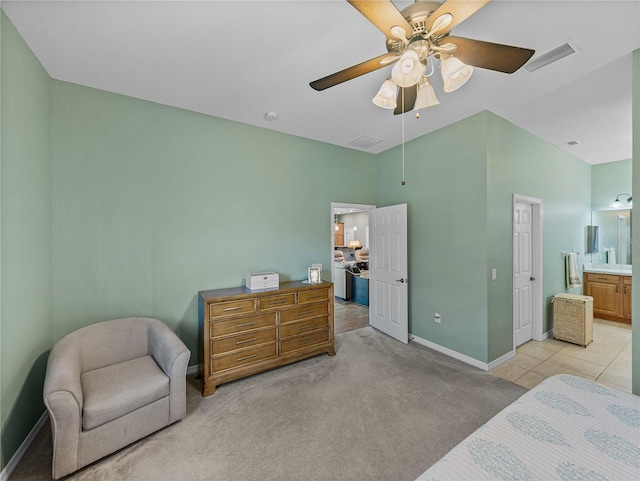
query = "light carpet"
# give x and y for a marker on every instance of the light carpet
(378, 410)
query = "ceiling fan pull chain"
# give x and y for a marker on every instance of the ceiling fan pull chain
(403, 182)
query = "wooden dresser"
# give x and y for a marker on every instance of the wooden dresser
(244, 332)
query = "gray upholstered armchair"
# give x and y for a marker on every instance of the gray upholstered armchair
(109, 384)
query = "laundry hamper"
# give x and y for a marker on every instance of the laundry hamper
(573, 318)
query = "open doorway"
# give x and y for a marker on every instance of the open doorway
(350, 265)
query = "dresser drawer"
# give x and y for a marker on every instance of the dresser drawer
(232, 326)
(301, 342)
(220, 309)
(241, 358)
(244, 340)
(606, 278)
(274, 302)
(300, 327)
(312, 310)
(626, 280)
(313, 296)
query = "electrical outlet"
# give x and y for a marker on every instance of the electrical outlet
(318, 265)
(437, 317)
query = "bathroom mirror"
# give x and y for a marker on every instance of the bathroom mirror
(614, 228)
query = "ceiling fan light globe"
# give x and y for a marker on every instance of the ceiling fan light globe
(386, 96)
(426, 96)
(408, 70)
(454, 73)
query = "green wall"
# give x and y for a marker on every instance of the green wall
(153, 203)
(446, 195)
(522, 163)
(608, 180)
(635, 367)
(25, 238)
(459, 193)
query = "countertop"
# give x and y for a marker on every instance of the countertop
(614, 269)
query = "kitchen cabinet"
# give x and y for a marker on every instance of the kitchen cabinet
(338, 234)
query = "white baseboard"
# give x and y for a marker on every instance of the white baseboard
(17, 456)
(502, 359)
(450, 352)
(190, 370)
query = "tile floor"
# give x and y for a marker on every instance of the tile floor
(606, 360)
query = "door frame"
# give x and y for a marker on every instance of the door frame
(343, 205)
(536, 263)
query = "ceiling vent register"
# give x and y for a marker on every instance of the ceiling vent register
(365, 142)
(564, 50)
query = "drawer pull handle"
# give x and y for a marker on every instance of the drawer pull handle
(232, 308)
(602, 278)
(245, 341)
(308, 326)
(245, 357)
(316, 296)
(306, 341)
(281, 301)
(246, 324)
(304, 313)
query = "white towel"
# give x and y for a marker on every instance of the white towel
(611, 255)
(571, 268)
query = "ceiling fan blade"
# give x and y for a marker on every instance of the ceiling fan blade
(492, 56)
(410, 95)
(355, 71)
(384, 15)
(460, 10)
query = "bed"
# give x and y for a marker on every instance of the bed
(566, 428)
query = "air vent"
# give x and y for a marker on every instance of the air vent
(365, 142)
(564, 50)
(573, 142)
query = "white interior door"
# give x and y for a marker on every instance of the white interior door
(388, 290)
(523, 272)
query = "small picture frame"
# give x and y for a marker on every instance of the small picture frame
(313, 274)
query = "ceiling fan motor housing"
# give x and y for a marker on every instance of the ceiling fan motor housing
(416, 15)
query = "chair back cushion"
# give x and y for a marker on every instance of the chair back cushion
(113, 391)
(111, 342)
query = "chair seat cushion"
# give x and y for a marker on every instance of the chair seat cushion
(113, 391)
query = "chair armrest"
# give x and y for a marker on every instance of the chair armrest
(62, 395)
(172, 356)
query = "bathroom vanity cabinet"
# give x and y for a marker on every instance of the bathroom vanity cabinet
(611, 295)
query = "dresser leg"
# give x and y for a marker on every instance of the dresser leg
(331, 351)
(208, 389)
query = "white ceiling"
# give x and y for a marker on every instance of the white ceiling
(240, 59)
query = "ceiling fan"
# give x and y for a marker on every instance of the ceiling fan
(415, 36)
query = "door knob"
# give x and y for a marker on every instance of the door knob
(401, 281)
(532, 278)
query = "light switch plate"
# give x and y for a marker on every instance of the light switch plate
(494, 274)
